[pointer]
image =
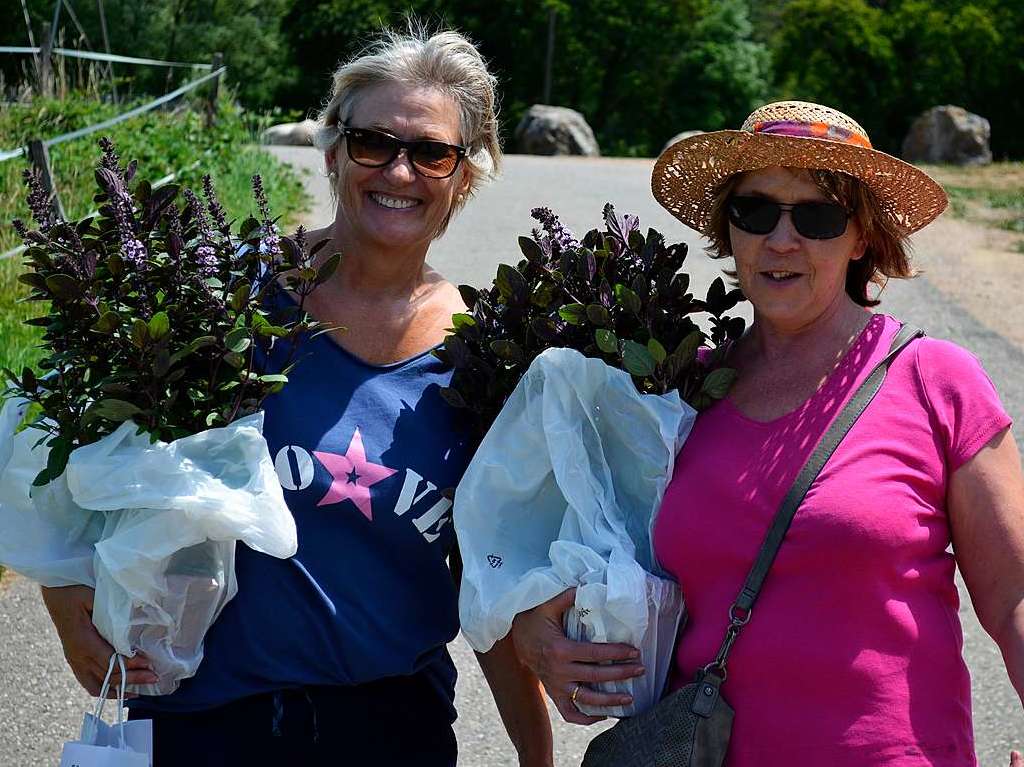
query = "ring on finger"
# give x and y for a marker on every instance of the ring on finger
(575, 692)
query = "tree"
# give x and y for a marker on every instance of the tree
(723, 74)
(835, 52)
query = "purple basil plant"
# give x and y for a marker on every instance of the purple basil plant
(617, 295)
(156, 312)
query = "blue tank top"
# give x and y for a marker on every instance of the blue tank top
(368, 457)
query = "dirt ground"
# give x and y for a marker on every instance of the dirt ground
(979, 268)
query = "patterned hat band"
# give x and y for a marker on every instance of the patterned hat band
(791, 134)
(811, 130)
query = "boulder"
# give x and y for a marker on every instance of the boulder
(552, 130)
(290, 134)
(680, 137)
(948, 134)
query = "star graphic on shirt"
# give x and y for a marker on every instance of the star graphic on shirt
(353, 476)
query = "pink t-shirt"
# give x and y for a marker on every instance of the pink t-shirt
(853, 653)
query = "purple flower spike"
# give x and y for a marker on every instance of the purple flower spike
(214, 207)
(558, 235)
(38, 200)
(110, 159)
(261, 198)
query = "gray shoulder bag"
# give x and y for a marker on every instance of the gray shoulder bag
(691, 726)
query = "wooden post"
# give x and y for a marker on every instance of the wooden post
(40, 159)
(211, 104)
(106, 47)
(44, 64)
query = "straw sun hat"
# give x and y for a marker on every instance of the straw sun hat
(794, 134)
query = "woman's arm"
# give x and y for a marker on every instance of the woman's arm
(86, 652)
(517, 693)
(985, 498)
(566, 668)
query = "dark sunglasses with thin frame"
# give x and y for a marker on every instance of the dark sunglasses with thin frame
(376, 149)
(813, 220)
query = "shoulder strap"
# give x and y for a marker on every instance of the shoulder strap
(740, 611)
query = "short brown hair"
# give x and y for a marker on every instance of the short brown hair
(885, 254)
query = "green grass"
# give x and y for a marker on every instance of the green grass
(992, 195)
(162, 142)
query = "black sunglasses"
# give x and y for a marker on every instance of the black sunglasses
(813, 220)
(375, 149)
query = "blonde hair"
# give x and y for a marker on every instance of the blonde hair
(885, 254)
(445, 61)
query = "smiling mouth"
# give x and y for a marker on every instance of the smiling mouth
(393, 203)
(781, 276)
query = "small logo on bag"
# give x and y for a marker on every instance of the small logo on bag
(494, 561)
(583, 612)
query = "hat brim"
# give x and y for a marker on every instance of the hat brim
(689, 173)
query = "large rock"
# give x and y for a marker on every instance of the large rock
(680, 137)
(948, 134)
(290, 134)
(555, 130)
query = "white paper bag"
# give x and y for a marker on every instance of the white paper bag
(563, 492)
(124, 744)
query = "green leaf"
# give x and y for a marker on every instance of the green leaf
(687, 348)
(637, 359)
(241, 295)
(63, 286)
(509, 281)
(115, 264)
(115, 409)
(606, 341)
(140, 333)
(657, 351)
(235, 360)
(237, 340)
(28, 380)
(531, 250)
(574, 314)
(33, 279)
(543, 295)
(718, 382)
(463, 320)
(628, 299)
(328, 268)
(108, 322)
(598, 315)
(194, 346)
(273, 378)
(159, 326)
(508, 350)
(469, 295)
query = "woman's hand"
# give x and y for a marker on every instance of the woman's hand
(86, 652)
(565, 667)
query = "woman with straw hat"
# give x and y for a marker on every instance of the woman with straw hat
(853, 653)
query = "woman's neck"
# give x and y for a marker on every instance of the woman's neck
(371, 271)
(828, 334)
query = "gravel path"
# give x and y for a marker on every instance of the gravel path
(965, 296)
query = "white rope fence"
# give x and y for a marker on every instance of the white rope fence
(74, 53)
(12, 153)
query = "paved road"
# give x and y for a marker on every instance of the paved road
(40, 702)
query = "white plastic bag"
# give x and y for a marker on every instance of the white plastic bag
(160, 522)
(45, 537)
(563, 492)
(124, 744)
